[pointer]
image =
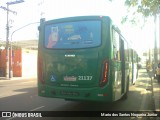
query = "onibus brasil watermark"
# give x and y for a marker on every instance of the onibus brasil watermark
(21, 114)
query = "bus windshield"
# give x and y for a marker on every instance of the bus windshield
(70, 35)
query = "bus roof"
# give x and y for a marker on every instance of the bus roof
(74, 19)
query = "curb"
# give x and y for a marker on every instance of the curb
(156, 94)
(16, 78)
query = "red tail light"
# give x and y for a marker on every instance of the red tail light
(104, 78)
(40, 68)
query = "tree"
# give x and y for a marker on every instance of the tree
(145, 8)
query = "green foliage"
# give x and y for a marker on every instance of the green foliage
(145, 7)
(138, 9)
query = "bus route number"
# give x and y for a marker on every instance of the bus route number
(85, 77)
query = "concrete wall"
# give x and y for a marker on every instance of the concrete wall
(29, 63)
(24, 63)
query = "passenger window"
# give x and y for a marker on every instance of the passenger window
(126, 51)
(116, 45)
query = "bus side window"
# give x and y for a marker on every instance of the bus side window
(126, 51)
(116, 46)
(130, 55)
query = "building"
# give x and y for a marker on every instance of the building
(24, 59)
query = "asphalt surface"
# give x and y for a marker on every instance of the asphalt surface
(151, 84)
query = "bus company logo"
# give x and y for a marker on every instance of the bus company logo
(70, 78)
(6, 114)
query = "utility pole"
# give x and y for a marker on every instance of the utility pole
(9, 72)
(7, 45)
(10, 68)
(155, 41)
(156, 48)
(159, 40)
(7, 39)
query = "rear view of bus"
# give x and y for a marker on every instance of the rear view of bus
(73, 59)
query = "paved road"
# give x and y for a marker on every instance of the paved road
(21, 95)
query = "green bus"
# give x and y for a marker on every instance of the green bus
(83, 58)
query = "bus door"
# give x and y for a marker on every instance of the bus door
(123, 65)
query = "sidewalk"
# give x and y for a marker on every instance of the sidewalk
(156, 94)
(156, 91)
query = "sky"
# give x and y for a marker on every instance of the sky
(31, 11)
